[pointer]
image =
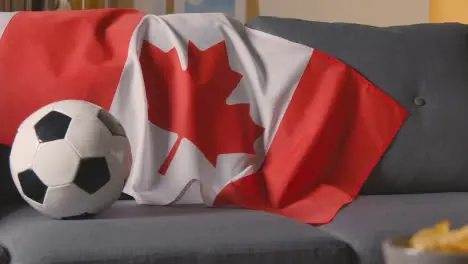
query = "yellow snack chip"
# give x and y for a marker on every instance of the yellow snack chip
(441, 239)
(427, 238)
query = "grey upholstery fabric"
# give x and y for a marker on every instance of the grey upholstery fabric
(366, 222)
(127, 233)
(4, 256)
(423, 67)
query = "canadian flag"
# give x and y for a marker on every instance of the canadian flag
(216, 113)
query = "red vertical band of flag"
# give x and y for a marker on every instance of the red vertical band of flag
(53, 56)
(335, 130)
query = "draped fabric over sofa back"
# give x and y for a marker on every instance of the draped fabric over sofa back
(424, 68)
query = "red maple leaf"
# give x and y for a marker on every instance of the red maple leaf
(192, 102)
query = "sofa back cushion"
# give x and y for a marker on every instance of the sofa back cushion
(8, 191)
(423, 67)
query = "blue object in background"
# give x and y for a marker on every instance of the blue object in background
(212, 6)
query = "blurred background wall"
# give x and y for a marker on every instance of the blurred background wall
(370, 12)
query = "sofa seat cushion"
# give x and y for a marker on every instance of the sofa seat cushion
(370, 219)
(128, 233)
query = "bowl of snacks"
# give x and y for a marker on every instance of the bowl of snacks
(438, 244)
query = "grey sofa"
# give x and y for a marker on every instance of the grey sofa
(422, 178)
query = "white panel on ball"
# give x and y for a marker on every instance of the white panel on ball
(76, 108)
(65, 201)
(89, 137)
(56, 163)
(23, 150)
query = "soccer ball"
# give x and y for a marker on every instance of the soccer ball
(70, 159)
